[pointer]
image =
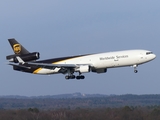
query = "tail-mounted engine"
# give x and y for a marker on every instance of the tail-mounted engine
(25, 57)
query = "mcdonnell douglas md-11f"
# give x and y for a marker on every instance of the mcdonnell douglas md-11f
(25, 61)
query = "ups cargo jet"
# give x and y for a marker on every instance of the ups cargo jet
(25, 61)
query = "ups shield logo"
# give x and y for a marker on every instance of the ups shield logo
(17, 48)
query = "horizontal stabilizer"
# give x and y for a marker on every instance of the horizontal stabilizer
(20, 66)
(20, 60)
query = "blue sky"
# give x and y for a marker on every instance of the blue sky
(61, 28)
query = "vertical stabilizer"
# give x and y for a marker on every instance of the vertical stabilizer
(17, 47)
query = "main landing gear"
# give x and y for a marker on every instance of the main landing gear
(80, 77)
(135, 68)
(71, 76)
(67, 77)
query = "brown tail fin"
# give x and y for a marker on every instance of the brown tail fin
(17, 47)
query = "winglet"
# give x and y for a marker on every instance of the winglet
(20, 60)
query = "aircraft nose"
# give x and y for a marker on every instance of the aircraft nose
(154, 56)
(151, 57)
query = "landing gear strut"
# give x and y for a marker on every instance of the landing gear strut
(70, 74)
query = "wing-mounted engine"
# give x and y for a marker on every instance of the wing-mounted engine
(83, 69)
(103, 70)
(24, 57)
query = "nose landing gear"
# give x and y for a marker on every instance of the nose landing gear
(135, 68)
(135, 71)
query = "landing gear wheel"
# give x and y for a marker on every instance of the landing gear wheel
(136, 71)
(80, 77)
(70, 77)
(67, 77)
(73, 77)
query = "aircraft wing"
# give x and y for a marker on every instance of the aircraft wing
(63, 67)
(45, 65)
(52, 66)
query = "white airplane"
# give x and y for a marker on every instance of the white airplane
(99, 63)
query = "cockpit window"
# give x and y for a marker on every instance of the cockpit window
(147, 53)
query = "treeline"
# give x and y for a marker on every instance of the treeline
(123, 113)
(73, 103)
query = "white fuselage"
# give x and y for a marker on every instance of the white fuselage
(107, 60)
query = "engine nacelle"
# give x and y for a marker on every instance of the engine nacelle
(104, 70)
(24, 57)
(83, 69)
